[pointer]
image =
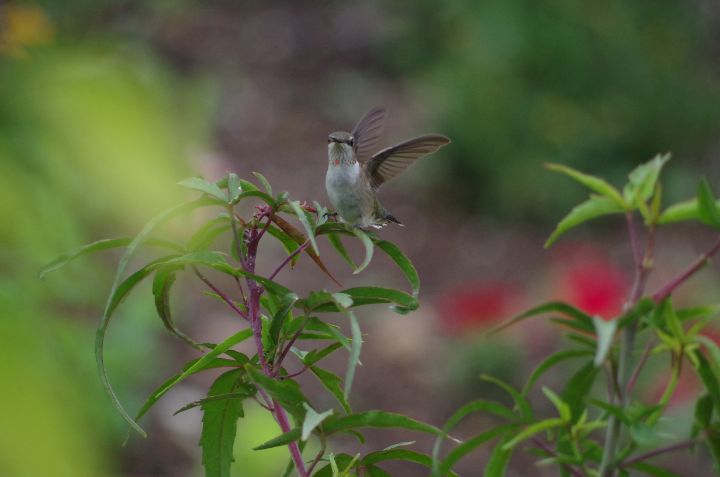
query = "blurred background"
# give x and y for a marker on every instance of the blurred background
(106, 104)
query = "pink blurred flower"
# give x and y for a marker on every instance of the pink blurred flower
(478, 305)
(590, 282)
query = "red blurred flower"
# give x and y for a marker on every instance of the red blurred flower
(593, 284)
(477, 306)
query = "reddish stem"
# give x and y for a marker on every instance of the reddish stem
(220, 293)
(656, 452)
(288, 258)
(694, 267)
(256, 323)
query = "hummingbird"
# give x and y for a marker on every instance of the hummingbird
(354, 174)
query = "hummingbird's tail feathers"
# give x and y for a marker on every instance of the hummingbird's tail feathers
(392, 219)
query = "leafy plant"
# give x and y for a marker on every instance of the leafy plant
(616, 434)
(280, 323)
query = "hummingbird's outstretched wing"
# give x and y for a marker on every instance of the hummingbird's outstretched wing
(391, 161)
(367, 132)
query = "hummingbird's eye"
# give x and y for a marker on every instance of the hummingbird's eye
(351, 141)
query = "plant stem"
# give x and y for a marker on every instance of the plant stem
(220, 293)
(694, 267)
(255, 291)
(643, 266)
(656, 452)
(288, 258)
(575, 472)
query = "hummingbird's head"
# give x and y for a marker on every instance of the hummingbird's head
(341, 148)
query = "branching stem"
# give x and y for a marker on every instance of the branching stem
(694, 267)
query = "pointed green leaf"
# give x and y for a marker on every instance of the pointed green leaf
(470, 445)
(99, 246)
(533, 429)
(264, 182)
(303, 218)
(642, 180)
(282, 314)
(577, 389)
(708, 213)
(376, 419)
(459, 415)
(246, 391)
(209, 188)
(331, 382)
(592, 208)
(520, 401)
(234, 188)
(162, 283)
(605, 330)
(562, 408)
(369, 248)
(591, 182)
(220, 425)
(405, 455)
(581, 320)
(286, 392)
(498, 461)
(157, 394)
(549, 363)
(403, 262)
(337, 244)
(312, 420)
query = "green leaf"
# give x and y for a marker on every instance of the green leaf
(642, 180)
(288, 243)
(708, 378)
(331, 382)
(157, 394)
(703, 415)
(340, 461)
(471, 444)
(653, 470)
(549, 363)
(206, 235)
(99, 246)
(375, 471)
(209, 188)
(562, 408)
(533, 429)
(312, 420)
(201, 364)
(343, 301)
(337, 244)
(317, 354)
(459, 415)
(498, 461)
(592, 208)
(581, 320)
(405, 455)
(591, 182)
(254, 193)
(708, 213)
(302, 217)
(682, 211)
(369, 248)
(577, 389)
(605, 330)
(234, 187)
(282, 314)
(376, 419)
(162, 283)
(520, 401)
(264, 182)
(220, 425)
(247, 390)
(403, 262)
(286, 392)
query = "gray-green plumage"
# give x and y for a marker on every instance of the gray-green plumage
(354, 176)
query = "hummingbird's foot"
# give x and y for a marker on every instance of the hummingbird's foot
(331, 215)
(392, 219)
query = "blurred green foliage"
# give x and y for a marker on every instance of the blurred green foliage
(87, 132)
(599, 86)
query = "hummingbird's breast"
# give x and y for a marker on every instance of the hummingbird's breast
(348, 192)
